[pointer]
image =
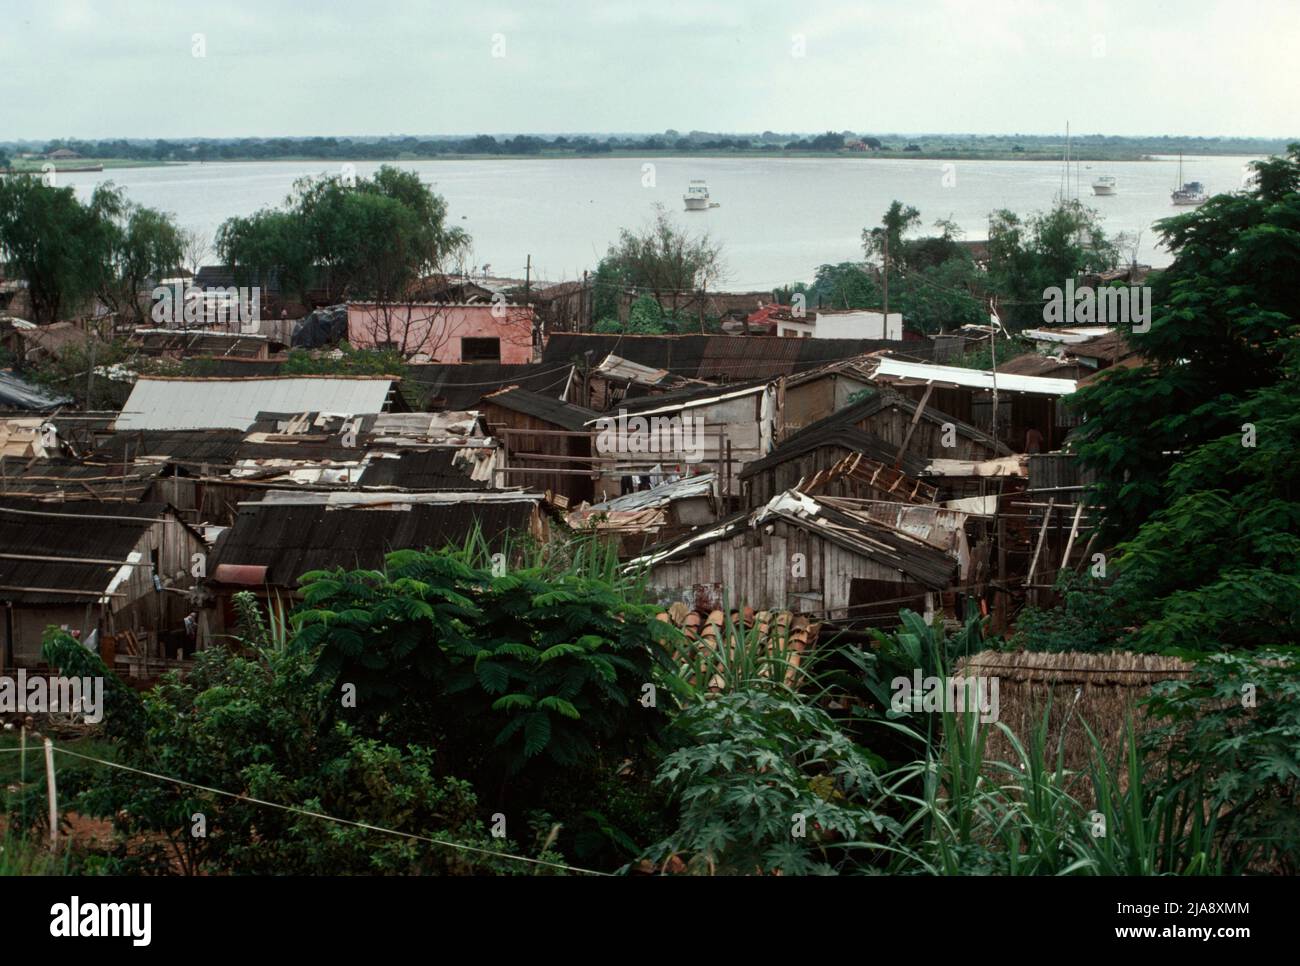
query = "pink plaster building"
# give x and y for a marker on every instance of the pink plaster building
(436, 332)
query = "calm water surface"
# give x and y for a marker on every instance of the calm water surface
(777, 220)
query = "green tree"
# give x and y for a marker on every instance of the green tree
(1027, 256)
(1197, 451)
(369, 239)
(897, 221)
(59, 245)
(661, 260)
(144, 245)
(843, 286)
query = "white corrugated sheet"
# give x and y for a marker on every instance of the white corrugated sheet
(920, 373)
(1070, 336)
(234, 403)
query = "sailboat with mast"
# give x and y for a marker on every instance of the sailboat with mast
(1191, 193)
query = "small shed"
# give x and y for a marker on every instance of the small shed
(276, 540)
(717, 428)
(547, 440)
(811, 556)
(108, 569)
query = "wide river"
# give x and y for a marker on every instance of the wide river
(777, 219)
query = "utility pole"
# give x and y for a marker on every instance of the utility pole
(993, 358)
(90, 371)
(535, 335)
(886, 276)
(582, 303)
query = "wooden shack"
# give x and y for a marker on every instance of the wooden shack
(884, 428)
(806, 555)
(106, 569)
(547, 442)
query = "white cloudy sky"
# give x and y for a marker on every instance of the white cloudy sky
(107, 68)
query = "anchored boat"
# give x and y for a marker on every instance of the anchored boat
(1103, 185)
(697, 196)
(1191, 192)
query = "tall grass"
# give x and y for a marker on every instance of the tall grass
(968, 814)
(23, 856)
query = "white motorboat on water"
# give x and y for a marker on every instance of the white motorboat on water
(697, 196)
(1103, 185)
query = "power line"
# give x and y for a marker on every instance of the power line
(330, 818)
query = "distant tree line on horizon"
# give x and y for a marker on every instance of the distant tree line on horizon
(388, 148)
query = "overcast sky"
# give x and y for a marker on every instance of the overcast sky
(104, 68)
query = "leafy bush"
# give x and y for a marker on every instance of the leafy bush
(1232, 738)
(502, 668)
(1088, 619)
(252, 726)
(767, 782)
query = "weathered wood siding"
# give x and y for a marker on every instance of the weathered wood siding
(762, 570)
(767, 483)
(735, 424)
(816, 399)
(142, 608)
(564, 448)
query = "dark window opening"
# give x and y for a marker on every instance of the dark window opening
(480, 350)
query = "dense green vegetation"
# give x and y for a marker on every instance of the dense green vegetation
(1013, 146)
(346, 237)
(1196, 451)
(71, 251)
(437, 738)
(938, 285)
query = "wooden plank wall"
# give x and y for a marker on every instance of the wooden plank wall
(757, 569)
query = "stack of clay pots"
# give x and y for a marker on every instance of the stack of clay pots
(780, 635)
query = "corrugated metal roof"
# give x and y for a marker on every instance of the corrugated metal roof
(546, 408)
(216, 447)
(157, 403)
(1068, 336)
(1037, 364)
(686, 488)
(291, 539)
(431, 469)
(61, 479)
(462, 385)
(718, 358)
(29, 528)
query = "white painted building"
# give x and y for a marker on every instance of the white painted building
(858, 324)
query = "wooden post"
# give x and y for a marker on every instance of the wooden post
(916, 418)
(1042, 538)
(1083, 563)
(728, 465)
(53, 795)
(1069, 544)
